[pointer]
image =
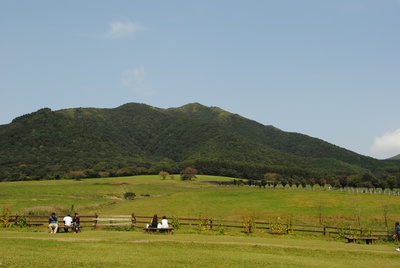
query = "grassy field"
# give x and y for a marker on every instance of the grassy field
(101, 248)
(192, 198)
(110, 248)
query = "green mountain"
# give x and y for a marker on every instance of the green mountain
(396, 157)
(140, 139)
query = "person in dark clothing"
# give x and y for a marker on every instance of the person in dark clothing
(396, 234)
(76, 222)
(154, 221)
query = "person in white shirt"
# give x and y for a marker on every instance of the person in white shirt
(164, 222)
(67, 222)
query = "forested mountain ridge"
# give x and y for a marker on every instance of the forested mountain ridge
(396, 157)
(141, 139)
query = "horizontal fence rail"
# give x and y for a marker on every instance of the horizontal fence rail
(140, 221)
(41, 220)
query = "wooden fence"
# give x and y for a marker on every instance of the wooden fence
(42, 220)
(140, 221)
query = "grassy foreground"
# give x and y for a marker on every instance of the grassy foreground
(172, 197)
(99, 248)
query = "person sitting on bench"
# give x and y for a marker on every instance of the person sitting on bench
(153, 222)
(164, 222)
(76, 221)
(67, 222)
(53, 223)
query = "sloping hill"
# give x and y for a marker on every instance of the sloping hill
(396, 157)
(140, 139)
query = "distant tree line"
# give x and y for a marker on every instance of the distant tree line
(255, 174)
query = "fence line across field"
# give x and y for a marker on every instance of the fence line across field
(139, 221)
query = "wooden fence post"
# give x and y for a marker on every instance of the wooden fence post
(16, 220)
(133, 220)
(95, 220)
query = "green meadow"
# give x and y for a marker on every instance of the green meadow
(206, 196)
(173, 197)
(136, 249)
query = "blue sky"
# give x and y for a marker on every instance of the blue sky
(328, 69)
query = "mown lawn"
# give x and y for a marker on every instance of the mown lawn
(99, 248)
(110, 248)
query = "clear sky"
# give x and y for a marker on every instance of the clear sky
(329, 69)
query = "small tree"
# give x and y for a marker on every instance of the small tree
(391, 182)
(163, 174)
(175, 223)
(249, 224)
(104, 174)
(264, 183)
(5, 216)
(386, 209)
(312, 183)
(188, 173)
(343, 180)
(77, 175)
(129, 195)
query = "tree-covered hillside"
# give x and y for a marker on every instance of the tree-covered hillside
(140, 139)
(396, 157)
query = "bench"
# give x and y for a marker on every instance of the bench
(161, 230)
(63, 227)
(354, 239)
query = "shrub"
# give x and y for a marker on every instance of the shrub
(129, 195)
(220, 230)
(188, 173)
(163, 174)
(346, 231)
(202, 224)
(21, 222)
(5, 216)
(248, 223)
(46, 210)
(175, 223)
(277, 227)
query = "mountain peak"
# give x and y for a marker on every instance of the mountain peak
(136, 138)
